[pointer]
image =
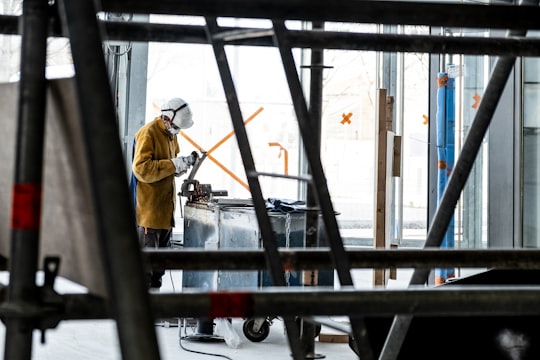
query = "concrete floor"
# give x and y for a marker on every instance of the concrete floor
(92, 340)
(97, 339)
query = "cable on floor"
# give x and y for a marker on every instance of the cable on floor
(185, 331)
(196, 351)
(172, 281)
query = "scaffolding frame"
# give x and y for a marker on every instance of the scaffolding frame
(26, 306)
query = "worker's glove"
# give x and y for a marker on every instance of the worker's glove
(181, 164)
(191, 159)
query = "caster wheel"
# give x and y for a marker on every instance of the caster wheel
(255, 336)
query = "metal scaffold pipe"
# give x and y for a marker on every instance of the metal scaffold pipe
(27, 185)
(113, 209)
(462, 300)
(320, 258)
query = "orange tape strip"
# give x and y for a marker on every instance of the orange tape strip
(229, 135)
(219, 143)
(26, 207)
(442, 81)
(442, 164)
(231, 304)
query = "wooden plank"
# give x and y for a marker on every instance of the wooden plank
(379, 219)
(383, 181)
(333, 338)
(396, 169)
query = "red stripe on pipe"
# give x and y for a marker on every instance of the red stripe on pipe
(229, 304)
(26, 207)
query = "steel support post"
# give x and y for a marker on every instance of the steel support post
(26, 202)
(268, 238)
(309, 329)
(110, 192)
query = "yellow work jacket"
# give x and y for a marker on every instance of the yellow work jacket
(155, 146)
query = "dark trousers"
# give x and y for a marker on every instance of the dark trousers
(154, 238)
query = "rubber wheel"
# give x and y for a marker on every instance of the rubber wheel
(255, 336)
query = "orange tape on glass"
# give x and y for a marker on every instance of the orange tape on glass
(26, 207)
(231, 304)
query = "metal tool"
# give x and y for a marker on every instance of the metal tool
(193, 190)
(197, 164)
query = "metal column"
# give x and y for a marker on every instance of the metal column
(309, 329)
(113, 208)
(26, 201)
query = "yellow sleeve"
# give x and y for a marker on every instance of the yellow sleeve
(146, 168)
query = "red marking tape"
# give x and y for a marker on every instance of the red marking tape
(229, 304)
(26, 207)
(287, 266)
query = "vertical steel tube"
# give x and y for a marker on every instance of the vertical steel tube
(26, 202)
(128, 295)
(309, 329)
(445, 148)
(315, 110)
(448, 241)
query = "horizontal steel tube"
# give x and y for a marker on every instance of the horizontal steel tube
(451, 14)
(271, 301)
(189, 259)
(193, 34)
(133, 31)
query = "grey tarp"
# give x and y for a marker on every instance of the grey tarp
(68, 227)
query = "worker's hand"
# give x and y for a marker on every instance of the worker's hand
(191, 159)
(181, 165)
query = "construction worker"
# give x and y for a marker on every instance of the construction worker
(155, 165)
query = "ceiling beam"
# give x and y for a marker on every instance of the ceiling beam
(195, 34)
(447, 14)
